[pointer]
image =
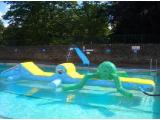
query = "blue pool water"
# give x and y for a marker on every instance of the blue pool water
(35, 99)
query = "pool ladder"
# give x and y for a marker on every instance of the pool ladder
(156, 69)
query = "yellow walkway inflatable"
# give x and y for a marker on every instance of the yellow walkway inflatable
(71, 71)
(35, 70)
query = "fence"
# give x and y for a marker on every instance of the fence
(120, 54)
(134, 38)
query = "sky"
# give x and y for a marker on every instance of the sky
(3, 9)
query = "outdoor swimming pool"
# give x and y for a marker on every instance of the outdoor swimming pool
(37, 99)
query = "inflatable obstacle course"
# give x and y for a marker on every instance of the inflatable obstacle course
(106, 71)
(70, 69)
(27, 70)
(106, 75)
(35, 70)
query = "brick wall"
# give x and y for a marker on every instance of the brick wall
(120, 54)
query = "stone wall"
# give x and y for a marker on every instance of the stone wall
(120, 54)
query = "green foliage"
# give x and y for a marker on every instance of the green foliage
(1, 31)
(61, 22)
(92, 22)
(48, 22)
(135, 21)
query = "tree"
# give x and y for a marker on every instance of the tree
(1, 31)
(92, 23)
(48, 22)
(136, 19)
(33, 23)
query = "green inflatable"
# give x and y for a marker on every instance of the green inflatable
(105, 71)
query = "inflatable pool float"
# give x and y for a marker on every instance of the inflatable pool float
(105, 76)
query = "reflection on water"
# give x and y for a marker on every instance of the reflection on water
(156, 104)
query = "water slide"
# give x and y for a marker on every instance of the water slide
(82, 56)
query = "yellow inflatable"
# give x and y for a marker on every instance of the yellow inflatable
(71, 71)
